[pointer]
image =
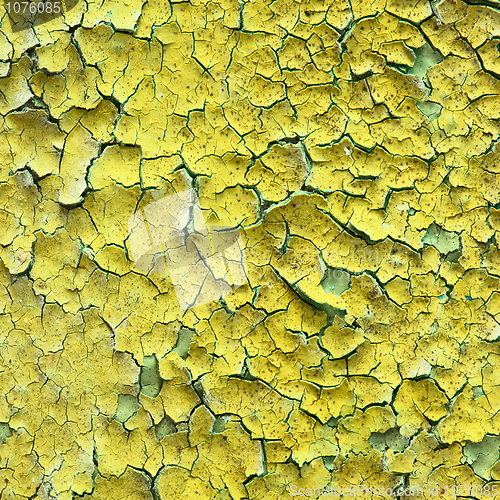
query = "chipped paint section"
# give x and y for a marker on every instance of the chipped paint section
(248, 247)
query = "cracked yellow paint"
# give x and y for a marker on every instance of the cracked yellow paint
(350, 148)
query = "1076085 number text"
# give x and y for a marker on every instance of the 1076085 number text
(33, 7)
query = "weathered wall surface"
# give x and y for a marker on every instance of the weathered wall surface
(352, 146)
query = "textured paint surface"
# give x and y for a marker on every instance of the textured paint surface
(350, 146)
